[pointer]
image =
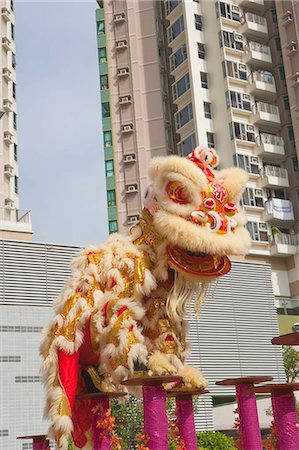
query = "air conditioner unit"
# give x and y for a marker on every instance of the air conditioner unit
(127, 128)
(8, 170)
(235, 8)
(5, 13)
(292, 47)
(129, 158)
(9, 204)
(263, 226)
(123, 71)
(131, 188)
(246, 97)
(243, 67)
(119, 17)
(132, 219)
(254, 160)
(126, 99)
(238, 37)
(121, 44)
(258, 193)
(250, 128)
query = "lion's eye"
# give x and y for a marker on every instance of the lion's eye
(177, 193)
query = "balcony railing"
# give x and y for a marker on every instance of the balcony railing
(15, 215)
(279, 209)
(265, 77)
(285, 239)
(266, 108)
(257, 47)
(272, 139)
(273, 171)
(250, 17)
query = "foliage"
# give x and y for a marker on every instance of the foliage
(70, 444)
(291, 363)
(214, 440)
(128, 421)
(270, 442)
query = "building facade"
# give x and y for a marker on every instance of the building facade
(231, 337)
(224, 75)
(14, 223)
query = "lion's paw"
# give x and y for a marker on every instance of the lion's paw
(193, 378)
(158, 364)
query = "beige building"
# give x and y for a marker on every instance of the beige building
(14, 223)
(177, 74)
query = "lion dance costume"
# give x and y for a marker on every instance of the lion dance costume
(124, 305)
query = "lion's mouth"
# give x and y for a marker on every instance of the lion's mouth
(197, 264)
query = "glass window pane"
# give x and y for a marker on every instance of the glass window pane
(102, 55)
(106, 110)
(107, 139)
(109, 168)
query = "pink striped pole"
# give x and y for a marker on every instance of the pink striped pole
(284, 413)
(250, 434)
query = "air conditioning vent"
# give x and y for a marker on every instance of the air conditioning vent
(130, 158)
(243, 67)
(8, 137)
(121, 44)
(292, 47)
(119, 17)
(235, 8)
(131, 188)
(246, 97)
(9, 204)
(254, 160)
(250, 128)
(8, 170)
(127, 128)
(124, 100)
(123, 71)
(132, 220)
(258, 193)
(5, 13)
(238, 37)
(263, 226)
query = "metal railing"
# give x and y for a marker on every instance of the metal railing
(266, 77)
(284, 238)
(15, 215)
(250, 17)
(265, 107)
(257, 47)
(267, 138)
(273, 171)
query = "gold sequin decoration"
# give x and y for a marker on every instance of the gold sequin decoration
(169, 347)
(64, 407)
(164, 326)
(94, 258)
(113, 335)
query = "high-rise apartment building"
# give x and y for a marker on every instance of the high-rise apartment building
(14, 223)
(222, 74)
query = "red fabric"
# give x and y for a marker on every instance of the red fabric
(68, 371)
(121, 310)
(87, 355)
(81, 417)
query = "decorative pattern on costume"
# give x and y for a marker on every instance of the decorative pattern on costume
(124, 306)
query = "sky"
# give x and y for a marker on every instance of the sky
(61, 165)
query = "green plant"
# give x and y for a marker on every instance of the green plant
(128, 420)
(214, 440)
(291, 363)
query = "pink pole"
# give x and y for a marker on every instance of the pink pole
(285, 417)
(155, 417)
(186, 424)
(249, 424)
(41, 445)
(101, 437)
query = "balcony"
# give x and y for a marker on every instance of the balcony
(12, 219)
(256, 5)
(279, 212)
(257, 55)
(254, 26)
(262, 84)
(270, 146)
(273, 177)
(284, 245)
(265, 114)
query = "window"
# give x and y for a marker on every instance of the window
(29, 379)
(113, 227)
(184, 116)
(178, 57)
(104, 82)
(14, 88)
(248, 163)
(258, 231)
(295, 164)
(185, 147)
(12, 31)
(238, 100)
(229, 11)
(16, 185)
(231, 40)
(102, 54)
(210, 139)
(242, 131)
(14, 120)
(17, 329)
(101, 27)
(207, 110)
(175, 29)
(107, 138)
(3, 432)
(109, 166)
(198, 22)
(201, 50)
(27, 446)
(291, 134)
(282, 73)
(13, 60)
(105, 110)
(286, 103)
(277, 44)
(235, 70)
(15, 152)
(170, 5)
(253, 197)
(274, 15)
(182, 85)
(111, 198)
(9, 359)
(204, 80)
(11, 5)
